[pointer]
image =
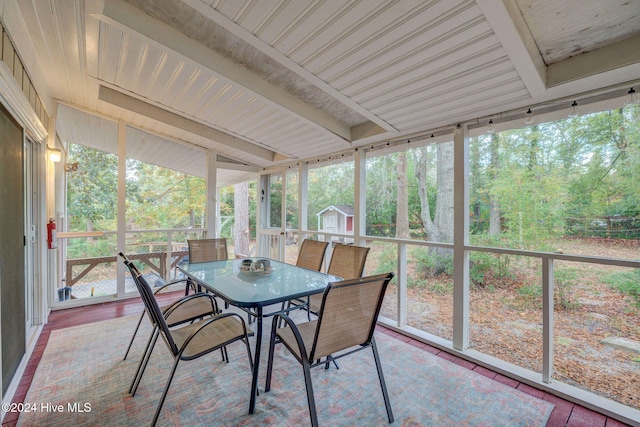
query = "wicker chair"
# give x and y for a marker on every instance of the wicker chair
(345, 325)
(347, 262)
(195, 309)
(205, 250)
(186, 342)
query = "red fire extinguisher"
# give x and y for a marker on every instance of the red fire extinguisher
(51, 234)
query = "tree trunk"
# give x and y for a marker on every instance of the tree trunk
(402, 206)
(241, 235)
(440, 229)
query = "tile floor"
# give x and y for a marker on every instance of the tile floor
(564, 414)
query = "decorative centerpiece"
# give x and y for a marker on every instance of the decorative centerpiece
(259, 267)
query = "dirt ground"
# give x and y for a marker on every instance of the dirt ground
(506, 319)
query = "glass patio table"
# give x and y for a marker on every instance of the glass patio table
(252, 291)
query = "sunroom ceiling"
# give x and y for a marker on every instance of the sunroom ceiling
(268, 82)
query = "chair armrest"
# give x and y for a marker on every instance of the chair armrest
(294, 329)
(182, 301)
(173, 282)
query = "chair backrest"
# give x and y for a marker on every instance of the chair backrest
(205, 250)
(151, 304)
(311, 254)
(348, 314)
(347, 261)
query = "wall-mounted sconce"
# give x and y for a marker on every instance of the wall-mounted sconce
(55, 155)
(71, 167)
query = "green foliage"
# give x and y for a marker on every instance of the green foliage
(92, 188)
(89, 248)
(564, 282)
(386, 261)
(485, 267)
(530, 292)
(430, 263)
(626, 282)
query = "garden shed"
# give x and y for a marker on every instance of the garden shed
(336, 219)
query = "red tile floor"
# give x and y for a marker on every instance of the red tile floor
(564, 413)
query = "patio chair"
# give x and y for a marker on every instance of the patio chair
(311, 256)
(187, 342)
(347, 262)
(205, 250)
(345, 324)
(196, 309)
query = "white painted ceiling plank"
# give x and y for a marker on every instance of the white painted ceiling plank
(421, 59)
(128, 18)
(132, 104)
(267, 49)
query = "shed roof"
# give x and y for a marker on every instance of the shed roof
(346, 210)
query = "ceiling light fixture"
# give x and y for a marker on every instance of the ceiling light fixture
(528, 118)
(574, 111)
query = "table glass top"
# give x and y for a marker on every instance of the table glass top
(252, 289)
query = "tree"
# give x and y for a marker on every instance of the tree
(241, 237)
(440, 228)
(92, 189)
(402, 204)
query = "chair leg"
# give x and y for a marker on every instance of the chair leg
(272, 345)
(165, 391)
(383, 385)
(143, 362)
(134, 334)
(310, 399)
(328, 362)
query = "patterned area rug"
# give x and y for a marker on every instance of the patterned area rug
(83, 381)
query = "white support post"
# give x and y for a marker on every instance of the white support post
(402, 285)
(212, 205)
(359, 196)
(547, 319)
(283, 216)
(121, 239)
(460, 240)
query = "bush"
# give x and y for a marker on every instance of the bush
(627, 282)
(564, 281)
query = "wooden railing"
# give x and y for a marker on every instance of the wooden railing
(157, 261)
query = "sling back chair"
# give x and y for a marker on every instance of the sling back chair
(205, 250)
(345, 324)
(187, 342)
(311, 256)
(196, 308)
(347, 262)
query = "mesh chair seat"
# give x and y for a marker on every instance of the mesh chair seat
(225, 330)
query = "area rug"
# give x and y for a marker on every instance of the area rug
(82, 380)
